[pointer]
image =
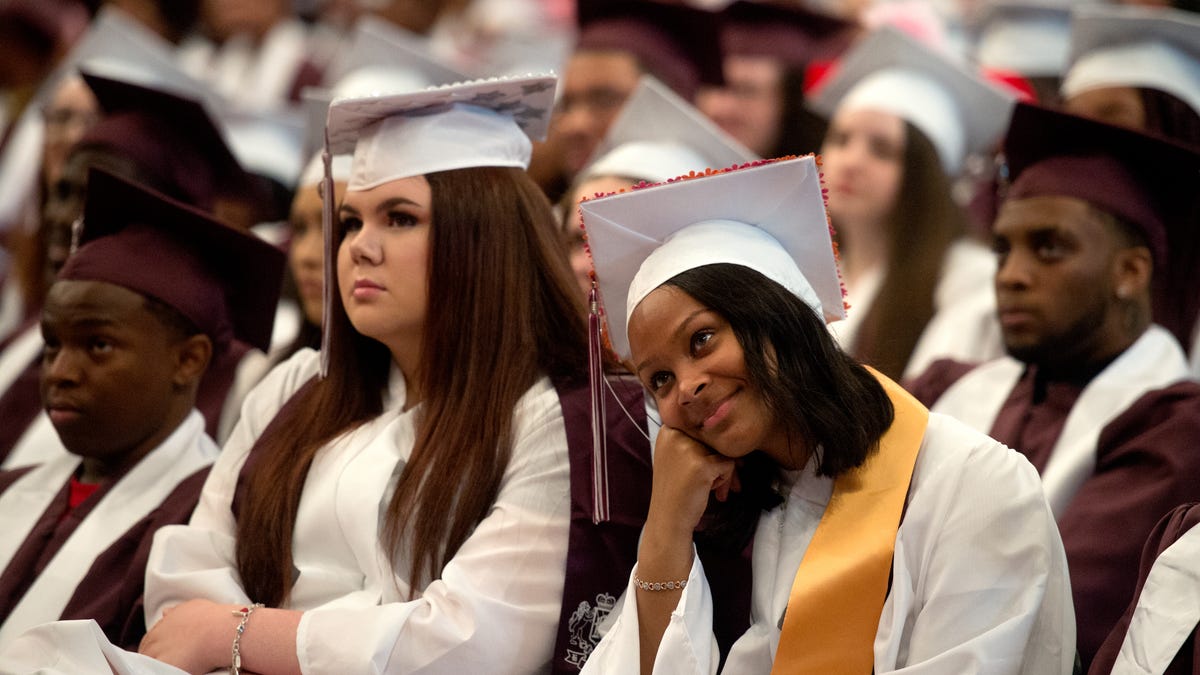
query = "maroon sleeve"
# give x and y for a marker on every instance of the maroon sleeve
(1167, 532)
(929, 386)
(1147, 463)
(111, 592)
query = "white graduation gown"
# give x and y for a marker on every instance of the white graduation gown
(963, 327)
(979, 578)
(496, 607)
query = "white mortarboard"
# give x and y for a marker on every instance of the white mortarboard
(268, 144)
(957, 110)
(1027, 37)
(471, 124)
(479, 123)
(377, 43)
(658, 136)
(769, 217)
(1126, 46)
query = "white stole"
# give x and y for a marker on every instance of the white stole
(21, 352)
(139, 492)
(1167, 611)
(1152, 362)
(39, 444)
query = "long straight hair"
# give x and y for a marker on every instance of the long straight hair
(503, 310)
(923, 224)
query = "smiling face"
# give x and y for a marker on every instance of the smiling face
(110, 375)
(690, 361)
(383, 261)
(1060, 268)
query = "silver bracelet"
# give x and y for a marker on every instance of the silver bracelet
(235, 666)
(660, 585)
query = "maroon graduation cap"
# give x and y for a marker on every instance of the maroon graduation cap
(1149, 182)
(794, 35)
(678, 44)
(171, 137)
(224, 281)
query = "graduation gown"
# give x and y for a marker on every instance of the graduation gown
(964, 324)
(1115, 453)
(89, 562)
(1157, 634)
(979, 580)
(495, 607)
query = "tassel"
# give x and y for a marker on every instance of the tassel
(599, 420)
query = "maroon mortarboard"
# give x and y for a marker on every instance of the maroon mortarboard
(678, 44)
(224, 281)
(1146, 181)
(170, 136)
(793, 35)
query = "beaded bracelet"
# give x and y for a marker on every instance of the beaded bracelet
(660, 585)
(235, 667)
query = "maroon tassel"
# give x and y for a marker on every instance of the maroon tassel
(599, 433)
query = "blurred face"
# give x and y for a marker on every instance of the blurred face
(594, 88)
(383, 261)
(306, 250)
(109, 370)
(71, 112)
(1055, 284)
(863, 164)
(750, 105)
(1120, 106)
(688, 358)
(581, 262)
(64, 201)
(226, 18)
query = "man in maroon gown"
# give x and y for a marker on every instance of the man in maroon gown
(1096, 244)
(156, 291)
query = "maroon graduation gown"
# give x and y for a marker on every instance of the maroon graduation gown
(111, 591)
(1147, 462)
(1168, 530)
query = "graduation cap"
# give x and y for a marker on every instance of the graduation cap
(1145, 181)
(658, 136)
(769, 217)
(679, 44)
(1125, 46)
(224, 281)
(377, 43)
(269, 144)
(170, 136)
(959, 111)
(393, 136)
(1027, 37)
(794, 35)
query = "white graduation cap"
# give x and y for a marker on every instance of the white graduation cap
(1027, 37)
(1128, 46)
(378, 44)
(959, 111)
(769, 217)
(393, 136)
(267, 143)
(658, 136)
(478, 123)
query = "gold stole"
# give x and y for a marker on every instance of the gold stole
(842, 582)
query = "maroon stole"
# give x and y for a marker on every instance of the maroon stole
(19, 406)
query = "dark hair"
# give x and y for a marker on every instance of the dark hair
(819, 391)
(503, 310)
(1168, 115)
(800, 129)
(923, 224)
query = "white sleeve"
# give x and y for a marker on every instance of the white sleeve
(980, 582)
(688, 646)
(197, 560)
(496, 606)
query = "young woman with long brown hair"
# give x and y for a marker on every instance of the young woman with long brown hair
(408, 510)
(903, 120)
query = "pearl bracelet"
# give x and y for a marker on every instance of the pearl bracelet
(660, 585)
(235, 666)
